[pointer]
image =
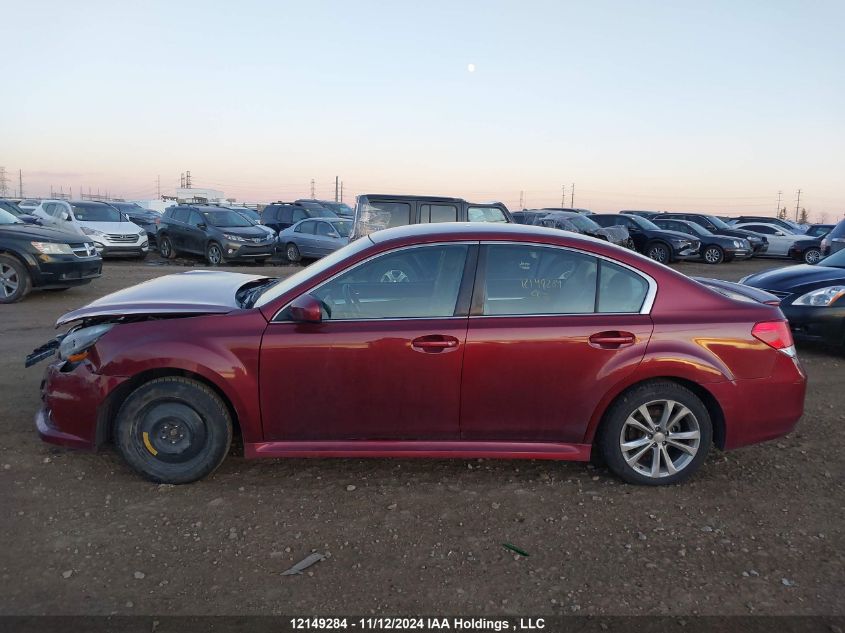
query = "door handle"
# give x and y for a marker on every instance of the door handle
(612, 340)
(434, 343)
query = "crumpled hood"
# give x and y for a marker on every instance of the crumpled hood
(193, 292)
(614, 234)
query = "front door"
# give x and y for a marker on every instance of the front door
(385, 362)
(550, 332)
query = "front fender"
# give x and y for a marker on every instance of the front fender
(222, 349)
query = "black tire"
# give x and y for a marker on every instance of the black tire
(173, 430)
(165, 248)
(812, 255)
(214, 254)
(15, 282)
(659, 252)
(713, 255)
(292, 252)
(628, 406)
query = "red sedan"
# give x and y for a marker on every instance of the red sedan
(441, 340)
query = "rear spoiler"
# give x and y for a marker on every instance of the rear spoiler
(739, 291)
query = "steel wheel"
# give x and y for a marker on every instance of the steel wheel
(9, 280)
(812, 256)
(214, 254)
(660, 438)
(659, 253)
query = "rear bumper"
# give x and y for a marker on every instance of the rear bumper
(762, 409)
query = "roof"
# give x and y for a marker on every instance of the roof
(409, 198)
(475, 230)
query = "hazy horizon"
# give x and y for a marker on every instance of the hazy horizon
(695, 106)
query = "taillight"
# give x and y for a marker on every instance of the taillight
(775, 334)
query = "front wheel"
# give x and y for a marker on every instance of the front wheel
(214, 254)
(656, 434)
(812, 255)
(713, 255)
(659, 253)
(173, 430)
(15, 282)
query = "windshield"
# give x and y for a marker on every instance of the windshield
(643, 223)
(317, 210)
(96, 213)
(340, 207)
(8, 218)
(284, 285)
(11, 208)
(249, 213)
(836, 260)
(225, 219)
(128, 207)
(343, 228)
(583, 222)
(718, 222)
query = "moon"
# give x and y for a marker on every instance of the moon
(471, 68)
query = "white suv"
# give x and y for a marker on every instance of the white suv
(109, 229)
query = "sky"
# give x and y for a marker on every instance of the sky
(713, 106)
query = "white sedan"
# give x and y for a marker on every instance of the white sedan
(780, 240)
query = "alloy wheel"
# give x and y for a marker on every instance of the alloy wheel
(812, 256)
(9, 280)
(660, 438)
(712, 255)
(164, 248)
(658, 253)
(215, 255)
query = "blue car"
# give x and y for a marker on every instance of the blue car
(314, 237)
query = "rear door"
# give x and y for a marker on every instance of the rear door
(304, 233)
(196, 232)
(551, 330)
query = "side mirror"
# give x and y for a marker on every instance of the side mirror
(64, 215)
(780, 233)
(202, 226)
(306, 309)
(335, 235)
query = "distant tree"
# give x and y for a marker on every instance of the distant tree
(802, 217)
(782, 214)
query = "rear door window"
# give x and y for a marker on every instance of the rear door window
(621, 290)
(181, 215)
(537, 280)
(299, 214)
(486, 214)
(305, 227)
(438, 213)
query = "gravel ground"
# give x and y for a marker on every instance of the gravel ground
(758, 531)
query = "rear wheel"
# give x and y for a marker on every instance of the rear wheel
(165, 248)
(15, 282)
(812, 255)
(659, 252)
(214, 254)
(173, 430)
(713, 255)
(292, 252)
(656, 434)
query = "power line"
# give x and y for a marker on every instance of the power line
(20, 183)
(797, 202)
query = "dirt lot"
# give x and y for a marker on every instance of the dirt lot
(759, 531)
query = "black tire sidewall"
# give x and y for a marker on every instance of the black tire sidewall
(618, 412)
(298, 255)
(203, 400)
(24, 283)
